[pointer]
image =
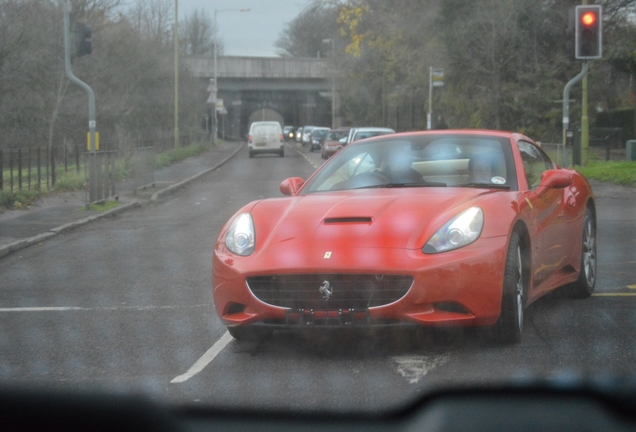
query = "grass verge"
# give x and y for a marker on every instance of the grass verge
(178, 154)
(623, 172)
(106, 205)
(18, 199)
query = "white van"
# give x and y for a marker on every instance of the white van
(266, 137)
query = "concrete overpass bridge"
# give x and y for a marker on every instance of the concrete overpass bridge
(293, 91)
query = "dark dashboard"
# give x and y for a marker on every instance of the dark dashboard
(533, 407)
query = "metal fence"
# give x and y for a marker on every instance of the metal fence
(608, 150)
(36, 168)
(104, 167)
(41, 169)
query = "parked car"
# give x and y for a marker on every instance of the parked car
(332, 142)
(359, 133)
(317, 137)
(394, 229)
(265, 137)
(288, 133)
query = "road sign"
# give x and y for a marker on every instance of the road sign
(437, 77)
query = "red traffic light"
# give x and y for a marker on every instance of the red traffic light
(588, 44)
(588, 19)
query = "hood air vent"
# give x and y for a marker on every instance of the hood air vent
(345, 220)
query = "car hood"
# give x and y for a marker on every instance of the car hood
(366, 218)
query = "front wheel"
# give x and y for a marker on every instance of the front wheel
(509, 327)
(584, 286)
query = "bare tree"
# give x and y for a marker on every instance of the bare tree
(197, 34)
(153, 19)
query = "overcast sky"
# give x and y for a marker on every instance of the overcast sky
(250, 33)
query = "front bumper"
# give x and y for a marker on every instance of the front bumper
(461, 287)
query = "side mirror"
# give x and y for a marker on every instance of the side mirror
(342, 140)
(554, 179)
(291, 186)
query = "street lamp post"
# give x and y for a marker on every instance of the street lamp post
(333, 81)
(216, 75)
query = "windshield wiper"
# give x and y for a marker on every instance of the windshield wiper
(485, 185)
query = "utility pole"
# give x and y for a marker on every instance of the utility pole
(176, 73)
(435, 79)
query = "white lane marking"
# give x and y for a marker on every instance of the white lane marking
(205, 359)
(305, 156)
(415, 367)
(103, 308)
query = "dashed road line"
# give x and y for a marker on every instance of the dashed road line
(205, 359)
(312, 163)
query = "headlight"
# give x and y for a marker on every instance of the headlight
(240, 237)
(458, 232)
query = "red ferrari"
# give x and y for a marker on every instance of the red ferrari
(454, 227)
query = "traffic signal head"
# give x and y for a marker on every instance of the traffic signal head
(83, 43)
(589, 33)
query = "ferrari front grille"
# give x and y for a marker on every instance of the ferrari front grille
(329, 291)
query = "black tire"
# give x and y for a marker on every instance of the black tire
(584, 286)
(251, 153)
(509, 327)
(322, 154)
(281, 153)
(249, 333)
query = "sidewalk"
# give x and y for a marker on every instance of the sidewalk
(57, 213)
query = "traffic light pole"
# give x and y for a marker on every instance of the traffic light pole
(585, 120)
(92, 196)
(566, 110)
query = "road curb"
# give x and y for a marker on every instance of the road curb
(172, 188)
(38, 238)
(17, 245)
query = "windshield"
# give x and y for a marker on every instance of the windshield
(336, 136)
(160, 235)
(319, 133)
(453, 161)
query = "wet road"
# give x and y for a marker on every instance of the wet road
(127, 304)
